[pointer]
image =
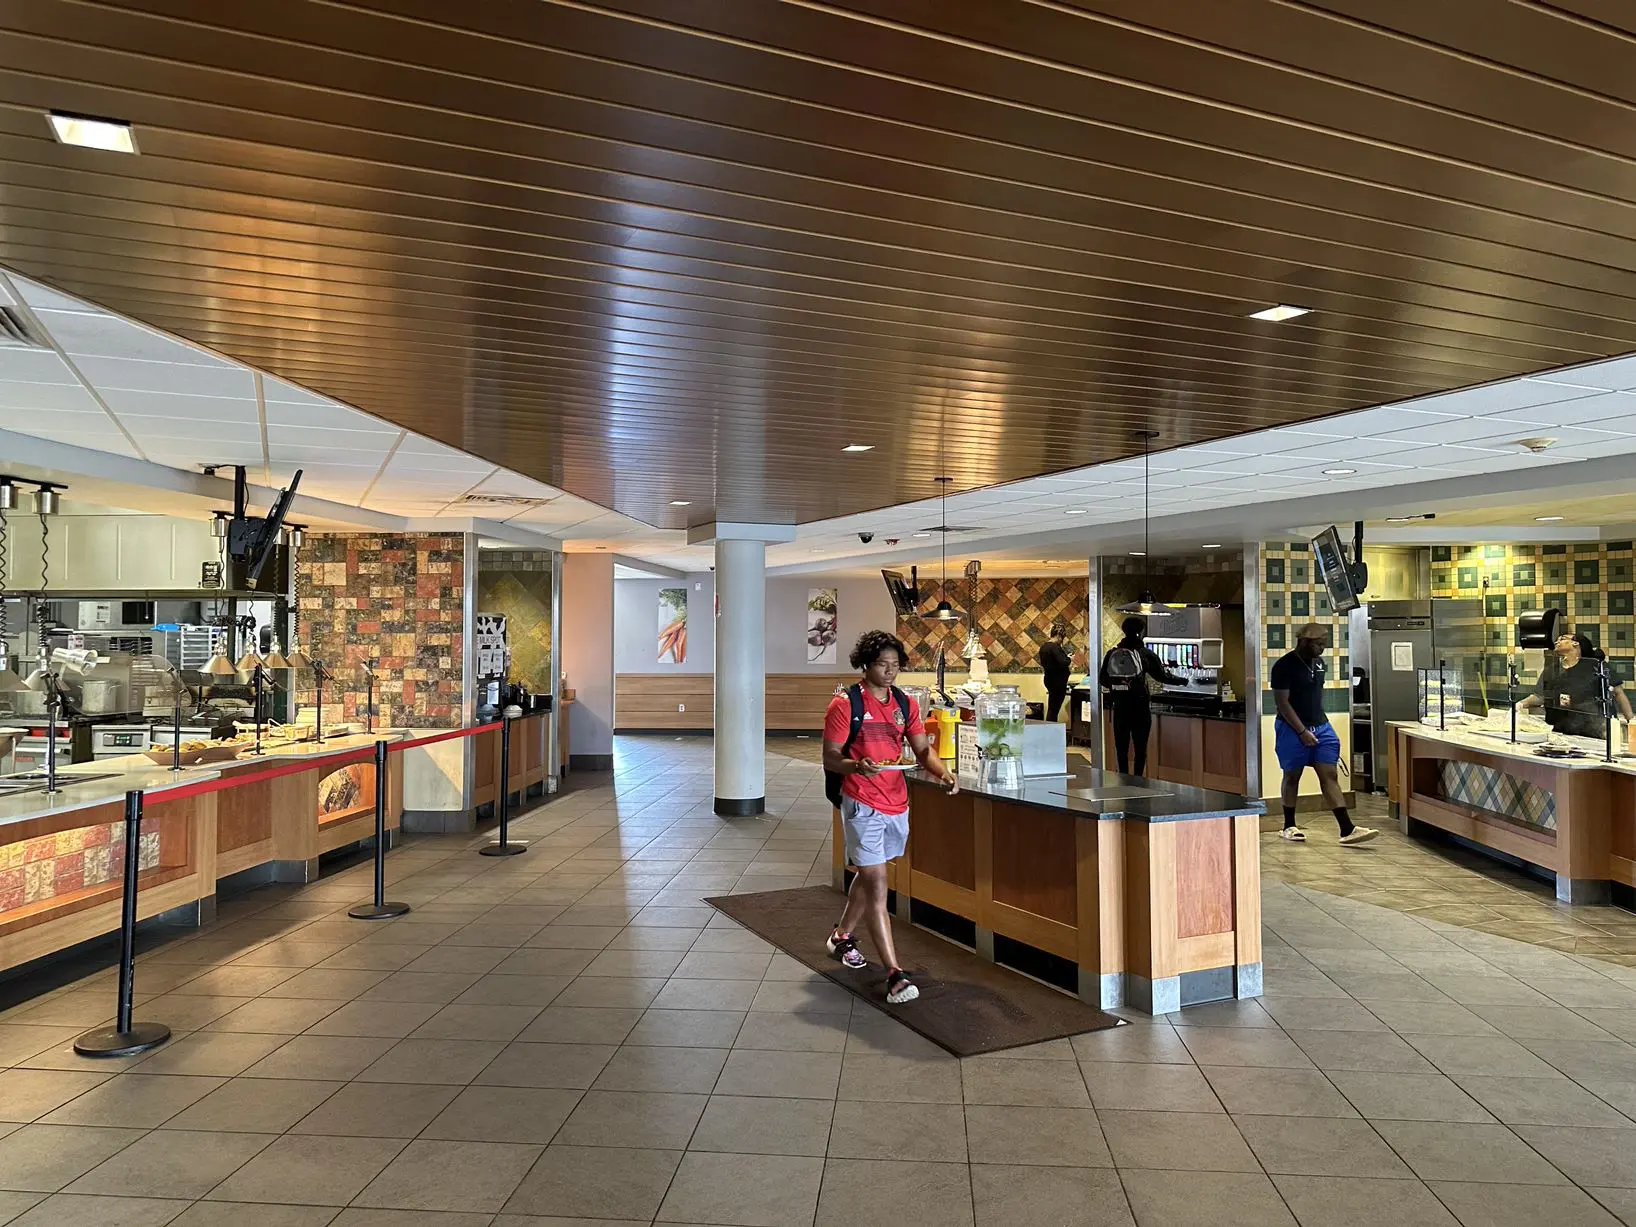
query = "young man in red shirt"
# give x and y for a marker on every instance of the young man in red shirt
(874, 798)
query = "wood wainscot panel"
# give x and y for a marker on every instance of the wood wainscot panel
(651, 700)
(796, 702)
(244, 815)
(1173, 749)
(485, 768)
(1222, 762)
(1034, 861)
(942, 835)
(1247, 888)
(1204, 877)
(295, 815)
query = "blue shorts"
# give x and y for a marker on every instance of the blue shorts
(1295, 755)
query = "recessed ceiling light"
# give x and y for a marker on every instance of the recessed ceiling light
(1212, 545)
(1138, 553)
(1546, 519)
(1279, 313)
(1339, 472)
(1429, 515)
(923, 534)
(1077, 511)
(92, 133)
(859, 447)
(681, 502)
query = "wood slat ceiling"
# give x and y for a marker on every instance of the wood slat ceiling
(685, 249)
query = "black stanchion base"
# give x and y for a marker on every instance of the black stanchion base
(377, 911)
(511, 848)
(111, 1042)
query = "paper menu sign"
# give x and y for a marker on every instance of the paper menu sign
(1403, 658)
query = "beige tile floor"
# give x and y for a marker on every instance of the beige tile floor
(570, 1037)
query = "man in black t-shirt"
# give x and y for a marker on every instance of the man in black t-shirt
(1303, 736)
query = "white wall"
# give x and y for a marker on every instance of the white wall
(864, 605)
(588, 650)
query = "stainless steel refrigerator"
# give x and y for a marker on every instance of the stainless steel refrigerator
(1390, 642)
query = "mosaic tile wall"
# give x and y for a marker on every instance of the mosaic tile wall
(1593, 583)
(1014, 619)
(517, 583)
(398, 598)
(1291, 596)
(40, 869)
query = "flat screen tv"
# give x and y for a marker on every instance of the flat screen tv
(905, 593)
(1330, 556)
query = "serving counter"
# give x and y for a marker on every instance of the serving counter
(1202, 748)
(61, 854)
(1573, 817)
(1129, 891)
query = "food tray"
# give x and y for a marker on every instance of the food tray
(162, 755)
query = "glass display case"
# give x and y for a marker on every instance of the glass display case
(1000, 717)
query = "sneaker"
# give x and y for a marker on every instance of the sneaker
(1294, 834)
(845, 948)
(900, 989)
(1359, 835)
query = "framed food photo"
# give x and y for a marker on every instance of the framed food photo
(672, 626)
(823, 625)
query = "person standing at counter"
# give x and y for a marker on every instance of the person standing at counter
(1572, 696)
(1304, 737)
(864, 733)
(1056, 664)
(1125, 670)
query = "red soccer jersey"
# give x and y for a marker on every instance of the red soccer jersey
(880, 737)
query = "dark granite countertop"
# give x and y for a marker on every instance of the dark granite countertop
(1128, 798)
(1232, 713)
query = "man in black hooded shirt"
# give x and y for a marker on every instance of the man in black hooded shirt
(1125, 670)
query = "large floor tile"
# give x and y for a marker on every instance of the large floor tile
(1048, 1197)
(133, 1102)
(1176, 1141)
(324, 1171)
(927, 1132)
(1543, 1101)
(873, 1193)
(746, 1190)
(596, 1182)
(1039, 1084)
(767, 1126)
(1174, 1198)
(29, 1094)
(684, 1070)
(1297, 1146)
(254, 1105)
(85, 1210)
(1012, 1136)
(45, 1158)
(565, 1066)
(173, 1163)
(1348, 1201)
(1460, 1152)
(377, 1109)
(1588, 1157)
(1257, 1091)
(1261, 1046)
(1522, 1205)
(649, 1119)
(455, 1176)
(1421, 1096)
(1156, 1088)
(503, 1114)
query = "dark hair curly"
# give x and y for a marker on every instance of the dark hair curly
(872, 643)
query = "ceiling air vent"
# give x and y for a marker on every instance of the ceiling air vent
(16, 332)
(952, 528)
(500, 500)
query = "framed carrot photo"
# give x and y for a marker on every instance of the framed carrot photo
(672, 626)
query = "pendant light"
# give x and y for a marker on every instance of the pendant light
(219, 665)
(945, 612)
(1144, 604)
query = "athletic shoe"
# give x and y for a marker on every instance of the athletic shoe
(1359, 835)
(1294, 834)
(846, 950)
(900, 989)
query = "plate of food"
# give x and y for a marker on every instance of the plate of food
(195, 753)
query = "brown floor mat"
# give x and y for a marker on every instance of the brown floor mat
(967, 1005)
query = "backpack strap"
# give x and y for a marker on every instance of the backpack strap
(903, 706)
(854, 694)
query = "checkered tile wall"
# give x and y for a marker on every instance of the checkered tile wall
(1291, 596)
(1014, 619)
(1593, 583)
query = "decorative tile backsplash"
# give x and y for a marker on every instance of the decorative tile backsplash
(51, 866)
(395, 597)
(1291, 596)
(1593, 583)
(1014, 618)
(517, 583)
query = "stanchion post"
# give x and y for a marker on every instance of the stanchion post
(380, 909)
(504, 845)
(126, 1038)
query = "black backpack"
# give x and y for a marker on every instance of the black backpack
(832, 781)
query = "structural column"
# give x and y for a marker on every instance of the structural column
(741, 678)
(741, 661)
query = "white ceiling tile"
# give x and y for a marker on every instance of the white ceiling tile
(1463, 431)
(316, 445)
(25, 420)
(326, 416)
(1612, 444)
(86, 334)
(201, 409)
(34, 366)
(49, 398)
(280, 391)
(44, 297)
(1615, 374)
(1584, 410)
(1494, 398)
(108, 374)
(1390, 419)
(201, 435)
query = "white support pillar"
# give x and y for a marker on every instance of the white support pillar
(741, 660)
(741, 678)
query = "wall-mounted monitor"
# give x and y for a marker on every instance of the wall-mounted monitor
(905, 593)
(1330, 556)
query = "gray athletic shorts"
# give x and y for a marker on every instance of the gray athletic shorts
(872, 838)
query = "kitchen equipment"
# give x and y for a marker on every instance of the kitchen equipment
(1403, 638)
(100, 696)
(27, 702)
(118, 740)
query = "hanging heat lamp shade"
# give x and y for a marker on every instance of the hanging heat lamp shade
(944, 612)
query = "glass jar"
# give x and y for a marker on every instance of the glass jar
(1000, 716)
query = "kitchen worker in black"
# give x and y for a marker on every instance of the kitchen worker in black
(1056, 663)
(1125, 670)
(1572, 693)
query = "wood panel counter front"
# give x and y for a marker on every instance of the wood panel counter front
(1151, 891)
(60, 860)
(1575, 818)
